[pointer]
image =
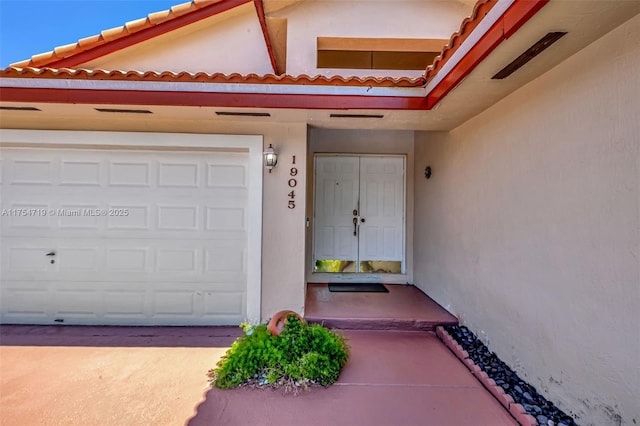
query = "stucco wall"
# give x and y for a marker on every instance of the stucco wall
(529, 228)
(393, 142)
(230, 42)
(362, 18)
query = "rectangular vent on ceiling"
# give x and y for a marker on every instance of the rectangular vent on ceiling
(356, 116)
(243, 114)
(124, 111)
(529, 54)
(15, 108)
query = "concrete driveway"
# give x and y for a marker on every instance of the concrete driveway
(157, 376)
(52, 375)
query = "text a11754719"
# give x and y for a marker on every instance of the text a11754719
(65, 212)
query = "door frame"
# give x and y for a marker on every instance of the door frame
(323, 277)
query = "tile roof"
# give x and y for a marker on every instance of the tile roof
(187, 77)
(36, 67)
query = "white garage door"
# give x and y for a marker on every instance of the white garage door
(123, 237)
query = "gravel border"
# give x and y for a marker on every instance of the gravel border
(522, 400)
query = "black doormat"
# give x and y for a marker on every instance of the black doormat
(358, 288)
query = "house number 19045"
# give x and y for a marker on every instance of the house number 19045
(293, 182)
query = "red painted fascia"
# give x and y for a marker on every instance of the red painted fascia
(205, 99)
(146, 34)
(519, 13)
(263, 25)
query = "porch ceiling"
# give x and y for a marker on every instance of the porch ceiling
(584, 22)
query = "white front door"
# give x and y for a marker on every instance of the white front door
(359, 214)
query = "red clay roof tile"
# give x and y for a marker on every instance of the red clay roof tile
(167, 76)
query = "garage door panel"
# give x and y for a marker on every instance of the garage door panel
(78, 259)
(173, 303)
(182, 261)
(139, 237)
(226, 175)
(32, 172)
(76, 303)
(128, 216)
(80, 173)
(180, 175)
(227, 303)
(225, 258)
(135, 174)
(226, 218)
(25, 300)
(128, 259)
(30, 260)
(125, 304)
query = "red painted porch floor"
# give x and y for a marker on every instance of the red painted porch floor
(392, 378)
(405, 307)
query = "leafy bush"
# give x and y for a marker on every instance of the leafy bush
(301, 355)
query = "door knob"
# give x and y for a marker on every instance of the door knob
(362, 220)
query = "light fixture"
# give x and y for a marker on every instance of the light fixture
(270, 158)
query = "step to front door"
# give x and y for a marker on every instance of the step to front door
(404, 307)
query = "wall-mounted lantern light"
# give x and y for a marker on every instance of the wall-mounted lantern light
(270, 158)
(427, 172)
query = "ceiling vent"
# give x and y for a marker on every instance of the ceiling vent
(124, 111)
(14, 108)
(529, 54)
(243, 114)
(356, 116)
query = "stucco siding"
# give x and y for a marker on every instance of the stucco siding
(529, 228)
(231, 42)
(397, 19)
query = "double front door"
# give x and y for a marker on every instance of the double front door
(359, 214)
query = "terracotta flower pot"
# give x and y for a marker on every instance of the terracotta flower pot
(278, 321)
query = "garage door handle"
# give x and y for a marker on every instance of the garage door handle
(51, 253)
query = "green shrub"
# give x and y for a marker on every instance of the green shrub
(302, 354)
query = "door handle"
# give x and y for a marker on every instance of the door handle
(355, 226)
(51, 253)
